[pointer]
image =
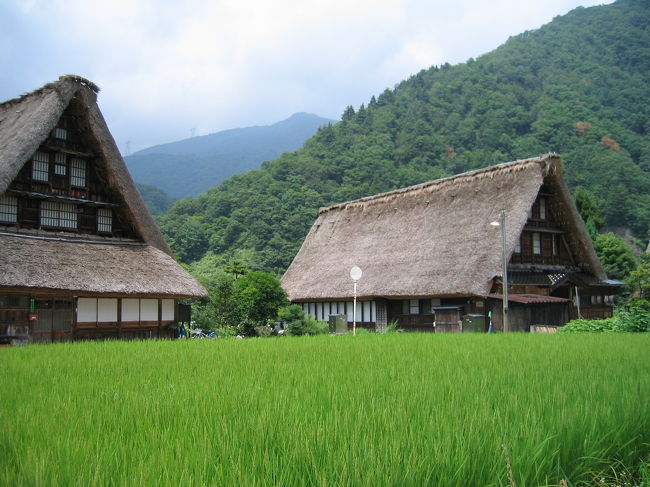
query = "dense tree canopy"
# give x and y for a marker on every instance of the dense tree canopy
(577, 86)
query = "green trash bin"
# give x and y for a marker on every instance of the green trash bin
(473, 323)
(338, 324)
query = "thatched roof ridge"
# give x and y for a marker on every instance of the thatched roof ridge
(55, 85)
(137, 269)
(432, 239)
(25, 122)
(548, 163)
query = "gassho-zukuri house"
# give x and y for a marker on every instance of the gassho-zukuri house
(80, 255)
(432, 254)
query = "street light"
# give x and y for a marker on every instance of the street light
(502, 223)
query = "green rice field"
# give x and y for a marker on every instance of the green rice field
(372, 410)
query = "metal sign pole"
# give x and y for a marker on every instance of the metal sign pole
(355, 275)
(354, 311)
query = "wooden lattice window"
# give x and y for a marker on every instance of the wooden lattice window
(8, 209)
(60, 167)
(542, 208)
(60, 133)
(411, 307)
(78, 172)
(104, 220)
(58, 214)
(537, 243)
(41, 166)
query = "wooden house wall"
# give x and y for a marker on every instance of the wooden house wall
(62, 317)
(444, 312)
(553, 245)
(321, 310)
(522, 316)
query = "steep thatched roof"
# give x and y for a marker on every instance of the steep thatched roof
(432, 239)
(40, 263)
(87, 267)
(26, 122)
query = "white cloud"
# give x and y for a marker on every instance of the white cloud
(166, 67)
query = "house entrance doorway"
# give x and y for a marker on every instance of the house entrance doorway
(54, 322)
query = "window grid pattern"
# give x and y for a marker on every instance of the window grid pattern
(59, 164)
(321, 311)
(104, 220)
(57, 214)
(41, 167)
(8, 209)
(537, 244)
(78, 172)
(60, 133)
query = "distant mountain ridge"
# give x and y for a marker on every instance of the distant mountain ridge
(191, 166)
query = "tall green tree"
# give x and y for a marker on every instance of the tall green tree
(615, 255)
(259, 296)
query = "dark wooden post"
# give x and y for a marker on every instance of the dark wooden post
(159, 316)
(119, 318)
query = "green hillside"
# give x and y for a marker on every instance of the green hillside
(157, 201)
(577, 86)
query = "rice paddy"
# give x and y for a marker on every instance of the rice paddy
(371, 410)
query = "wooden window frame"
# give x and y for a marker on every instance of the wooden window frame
(537, 243)
(41, 166)
(414, 304)
(61, 133)
(60, 164)
(104, 220)
(8, 209)
(78, 172)
(56, 214)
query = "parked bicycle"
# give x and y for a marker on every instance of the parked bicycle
(199, 334)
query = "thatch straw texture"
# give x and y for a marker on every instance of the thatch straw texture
(111, 268)
(83, 267)
(25, 123)
(432, 239)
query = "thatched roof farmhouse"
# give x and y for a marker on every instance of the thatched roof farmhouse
(80, 255)
(430, 256)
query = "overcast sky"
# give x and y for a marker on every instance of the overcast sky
(169, 68)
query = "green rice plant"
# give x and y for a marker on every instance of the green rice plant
(371, 410)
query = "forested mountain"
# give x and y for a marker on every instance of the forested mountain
(191, 166)
(577, 86)
(157, 201)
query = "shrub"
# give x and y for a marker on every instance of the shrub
(296, 322)
(392, 327)
(263, 330)
(362, 331)
(226, 332)
(246, 329)
(636, 319)
(581, 325)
